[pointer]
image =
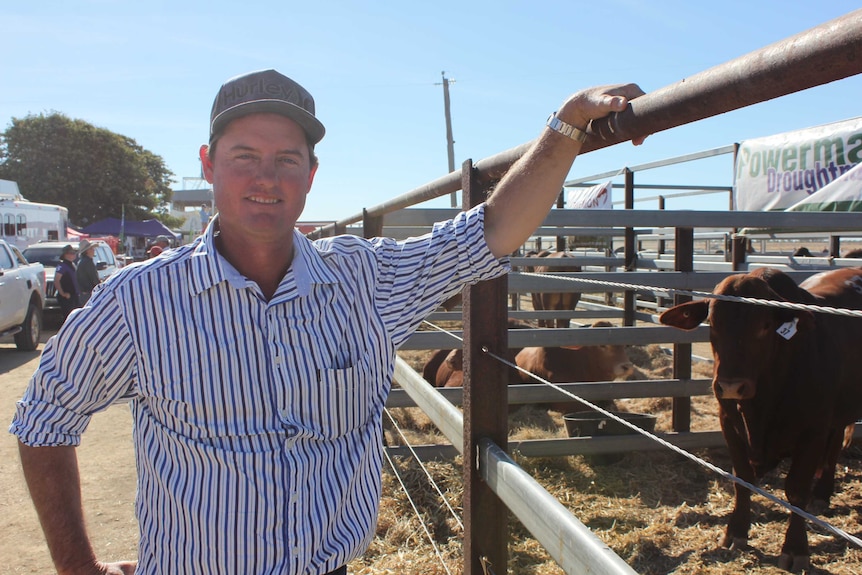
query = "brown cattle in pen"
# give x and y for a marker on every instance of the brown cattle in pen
(788, 384)
(554, 301)
(445, 367)
(569, 364)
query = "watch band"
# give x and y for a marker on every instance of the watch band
(565, 129)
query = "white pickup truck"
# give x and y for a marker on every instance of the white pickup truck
(22, 297)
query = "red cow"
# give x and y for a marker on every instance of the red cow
(451, 371)
(569, 364)
(429, 371)
(788, 384)
(445, 367)
(554, 301)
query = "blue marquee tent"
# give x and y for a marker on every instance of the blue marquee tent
(116, 227)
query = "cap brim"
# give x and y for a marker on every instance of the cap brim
(312, 127)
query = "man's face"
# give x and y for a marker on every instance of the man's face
(261, 172)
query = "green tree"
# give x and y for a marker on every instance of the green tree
(92, 171)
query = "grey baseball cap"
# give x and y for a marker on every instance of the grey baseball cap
(265, 91)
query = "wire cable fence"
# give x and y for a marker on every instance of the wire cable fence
(709, 295)
(715, 469)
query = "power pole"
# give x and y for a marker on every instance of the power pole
(450, 143)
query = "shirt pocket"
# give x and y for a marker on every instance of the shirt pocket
(343, 401)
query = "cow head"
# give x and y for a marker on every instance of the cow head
(613, 356)
(746, 339)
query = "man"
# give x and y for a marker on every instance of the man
(163, 242)
(204, 214)
(258, 362)
(88, 276)
(66, 282)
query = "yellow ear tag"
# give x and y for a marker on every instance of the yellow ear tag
(788, 329)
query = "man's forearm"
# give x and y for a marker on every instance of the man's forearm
(526, 193)
(55, 487)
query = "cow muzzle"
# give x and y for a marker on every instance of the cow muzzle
(733, 388)
(623, 369)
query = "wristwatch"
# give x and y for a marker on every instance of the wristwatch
(565, 129)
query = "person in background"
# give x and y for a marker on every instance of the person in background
(88, 276)
(154, 251)
(66, 282)
(257, 362)
(163, 242)
(205, 216)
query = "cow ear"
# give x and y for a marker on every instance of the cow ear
(574, 347)
(686, 315)
(807, 320)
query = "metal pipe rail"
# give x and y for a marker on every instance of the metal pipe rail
(566, 539)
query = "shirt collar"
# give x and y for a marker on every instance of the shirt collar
(208, 267)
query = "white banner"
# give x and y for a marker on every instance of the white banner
(776, 172)
(842, 195)
(596, 197)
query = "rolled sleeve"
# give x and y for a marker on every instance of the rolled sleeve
(41, 424)
(479, 263)
(85, 368)
(420, 273)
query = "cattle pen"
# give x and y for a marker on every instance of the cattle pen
(492, 482)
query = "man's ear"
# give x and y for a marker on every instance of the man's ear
(206, 163)
(311, 174)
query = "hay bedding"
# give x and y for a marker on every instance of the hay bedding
(659, 511)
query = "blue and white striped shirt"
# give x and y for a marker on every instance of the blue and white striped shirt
(257, 423)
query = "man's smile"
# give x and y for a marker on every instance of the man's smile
(260, 200)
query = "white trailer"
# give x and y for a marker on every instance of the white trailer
(23, 222)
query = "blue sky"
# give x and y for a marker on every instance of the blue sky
(149, 70)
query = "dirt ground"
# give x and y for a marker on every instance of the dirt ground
(107, 478)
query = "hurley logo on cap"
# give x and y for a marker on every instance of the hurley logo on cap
(266, 91)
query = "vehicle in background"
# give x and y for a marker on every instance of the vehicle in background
(22, 297)
(23, 222)
(48, 254)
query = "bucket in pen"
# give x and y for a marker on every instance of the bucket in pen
(595, 424)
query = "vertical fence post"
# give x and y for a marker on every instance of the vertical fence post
(372, 226)
(739, 247)
(562, 243)
(683, 262)
(485, 407)
(630, 251)
(660, 250)
(835, 246)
